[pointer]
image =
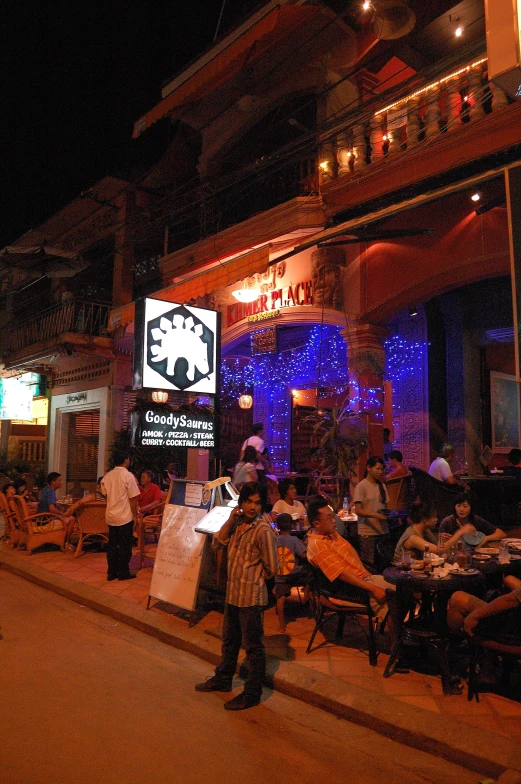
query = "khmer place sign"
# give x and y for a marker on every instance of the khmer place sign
(176, 347)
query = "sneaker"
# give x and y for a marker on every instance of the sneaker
(241, 702)
(213, 684)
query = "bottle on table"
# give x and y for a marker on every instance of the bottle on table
(427, 560)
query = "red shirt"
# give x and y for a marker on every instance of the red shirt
(149, 496)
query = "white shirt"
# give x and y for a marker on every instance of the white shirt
(119, 485)
(440, 469)
(296, 510)
(258, 444)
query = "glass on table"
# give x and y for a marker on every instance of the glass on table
(406, 560)
(504, 556)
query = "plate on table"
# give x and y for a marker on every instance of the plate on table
(465, 572)
(481, 557)
(515, 557)
(487, 550)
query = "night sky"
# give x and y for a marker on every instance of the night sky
(75, 77)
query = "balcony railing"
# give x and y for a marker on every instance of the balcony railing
(76, 316)
(446, 104)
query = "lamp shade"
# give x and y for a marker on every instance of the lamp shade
(158, 396)
(245, 401)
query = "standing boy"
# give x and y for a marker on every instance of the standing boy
(371, 499)
(252, 559)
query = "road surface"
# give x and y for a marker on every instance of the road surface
(87, 700)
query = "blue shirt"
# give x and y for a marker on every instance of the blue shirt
(287, 542)
(47, 496)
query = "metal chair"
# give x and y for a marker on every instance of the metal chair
(506, 642)
(341, 599)
(91, 524)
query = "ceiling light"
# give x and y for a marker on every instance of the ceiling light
(476, 196)
(246, 295)
(458, 31)
(366, 6)
(413, 311)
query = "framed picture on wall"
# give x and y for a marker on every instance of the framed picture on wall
(506, 420)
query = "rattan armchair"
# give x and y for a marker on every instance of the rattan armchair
(12, 532)
(151, 524)
(91, 524)
(37, 529)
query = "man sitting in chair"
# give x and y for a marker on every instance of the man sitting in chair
(338, 560)
(397, 469)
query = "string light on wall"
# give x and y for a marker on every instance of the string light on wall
(403, 357)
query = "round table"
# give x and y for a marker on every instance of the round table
(434, 631)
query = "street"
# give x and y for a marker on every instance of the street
(87, 699)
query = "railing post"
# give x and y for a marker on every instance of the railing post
(359, 147)
(476, 91)
(376, 138)
(413, 121)
(327, 162)
(343, 153)
(432, 115)
(499, 98)
(453, 103)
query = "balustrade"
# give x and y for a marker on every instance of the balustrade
(85, 318)
(464, 97)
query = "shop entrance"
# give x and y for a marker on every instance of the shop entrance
(82, 447)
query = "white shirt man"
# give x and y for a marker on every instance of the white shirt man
(440, 468)
(122, 491)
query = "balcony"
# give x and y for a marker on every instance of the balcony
(454, 118)
(70, 322)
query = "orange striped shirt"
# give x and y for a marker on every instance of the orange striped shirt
(333, 555)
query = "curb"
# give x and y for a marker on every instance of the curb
(439, 735)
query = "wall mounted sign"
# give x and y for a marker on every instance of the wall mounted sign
(264, 341)
(268, 305)
(151, 427)
(176, 347)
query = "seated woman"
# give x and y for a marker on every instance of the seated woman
(419, 534)
(465, 522)
(245, 470)
(149, 494)
(288, 503)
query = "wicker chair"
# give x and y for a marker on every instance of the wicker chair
(91, 524)
(151, 524)
(37, 529)
(12, 533)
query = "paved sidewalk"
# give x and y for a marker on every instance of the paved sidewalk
(409, 706)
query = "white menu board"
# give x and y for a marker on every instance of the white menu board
(177, 566)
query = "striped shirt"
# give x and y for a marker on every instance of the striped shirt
(333, 555)
(252, 559)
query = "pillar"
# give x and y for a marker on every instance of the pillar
(366, 369)
(122, 278)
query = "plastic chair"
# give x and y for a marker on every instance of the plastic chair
(37, 529)
(341, 599)
(91, 524)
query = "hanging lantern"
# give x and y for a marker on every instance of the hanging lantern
(158, 396)
(245, 401)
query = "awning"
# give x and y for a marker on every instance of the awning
(201, 283)
(266, 33)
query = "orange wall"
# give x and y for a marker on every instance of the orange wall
(464, 248)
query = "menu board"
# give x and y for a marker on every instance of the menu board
(177, 565)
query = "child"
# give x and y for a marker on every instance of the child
(289, 549)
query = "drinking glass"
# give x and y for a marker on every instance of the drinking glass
(504, 556)
(406, 560)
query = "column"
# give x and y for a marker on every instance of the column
(376, 138)
(451, 308)
(366, 369)
(122, 277)
(343, 153)
(432, 115)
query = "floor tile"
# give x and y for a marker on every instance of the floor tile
(427, 703)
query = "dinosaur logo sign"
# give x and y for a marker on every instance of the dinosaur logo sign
(178, 348)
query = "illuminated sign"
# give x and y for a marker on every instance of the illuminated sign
(268, 305)
(16, 396)
(176, 347)
(264, 341)
(153, 427)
